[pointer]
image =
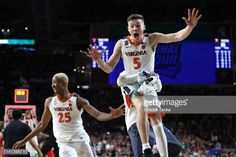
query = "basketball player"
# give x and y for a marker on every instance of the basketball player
(138, 53)
(66, 109)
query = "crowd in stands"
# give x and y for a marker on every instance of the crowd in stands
(201, 136)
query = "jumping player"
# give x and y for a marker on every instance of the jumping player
(138, 54)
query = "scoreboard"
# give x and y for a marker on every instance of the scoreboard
(21, 96)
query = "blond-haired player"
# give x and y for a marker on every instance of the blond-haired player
(65, 109)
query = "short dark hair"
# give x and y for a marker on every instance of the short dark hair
(16, 114)
(135, 16)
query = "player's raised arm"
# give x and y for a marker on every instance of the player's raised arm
(40, 127)
(191, 21)
(113, 60)
(101, 116)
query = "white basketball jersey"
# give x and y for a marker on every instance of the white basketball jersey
(137, 58)
(67, 121)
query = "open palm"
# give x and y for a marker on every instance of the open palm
(117, 112)
(93, 53)
(193, 17)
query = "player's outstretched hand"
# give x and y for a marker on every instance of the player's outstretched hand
(193, 17)
(117, 112)
(93, 52)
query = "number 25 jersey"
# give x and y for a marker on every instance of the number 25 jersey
(67, 121)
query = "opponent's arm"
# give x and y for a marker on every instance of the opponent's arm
(40, 127)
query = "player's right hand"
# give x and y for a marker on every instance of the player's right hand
(93, 53)
(18, 144)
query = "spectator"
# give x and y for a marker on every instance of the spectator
(10, 136)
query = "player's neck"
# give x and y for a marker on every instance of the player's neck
(64, 95)
(135, 41)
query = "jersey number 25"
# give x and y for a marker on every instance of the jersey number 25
(64, 117)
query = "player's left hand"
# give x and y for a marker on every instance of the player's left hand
(18, 144)
(193, 17)
(117, 112)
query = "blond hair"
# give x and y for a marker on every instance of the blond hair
(62, 77)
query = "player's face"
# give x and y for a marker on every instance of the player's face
(9, 113)
(57, 86)
(136, 28)
(1, 126)
(27, 113)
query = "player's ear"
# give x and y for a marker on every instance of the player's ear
(144, 27)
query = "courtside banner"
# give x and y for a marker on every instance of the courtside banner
(191, 104)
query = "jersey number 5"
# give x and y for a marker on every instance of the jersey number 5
(64, 117)
(137, 63)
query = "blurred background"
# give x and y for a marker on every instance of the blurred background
(43, 37)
